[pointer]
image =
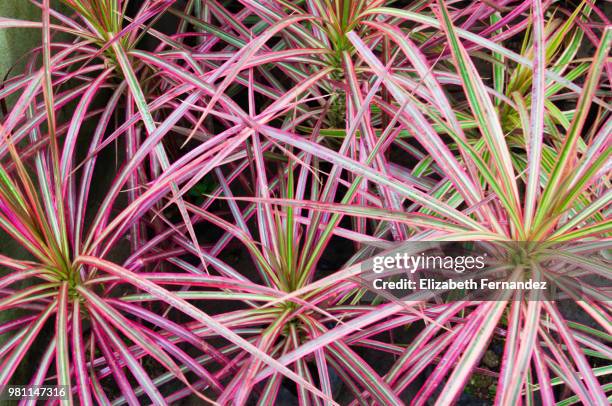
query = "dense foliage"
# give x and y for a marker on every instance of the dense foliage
(196, 185)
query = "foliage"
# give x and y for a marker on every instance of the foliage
(280, 131)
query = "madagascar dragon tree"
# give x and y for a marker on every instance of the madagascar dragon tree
(198, 186)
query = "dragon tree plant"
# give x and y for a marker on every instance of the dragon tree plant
(198, 188)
